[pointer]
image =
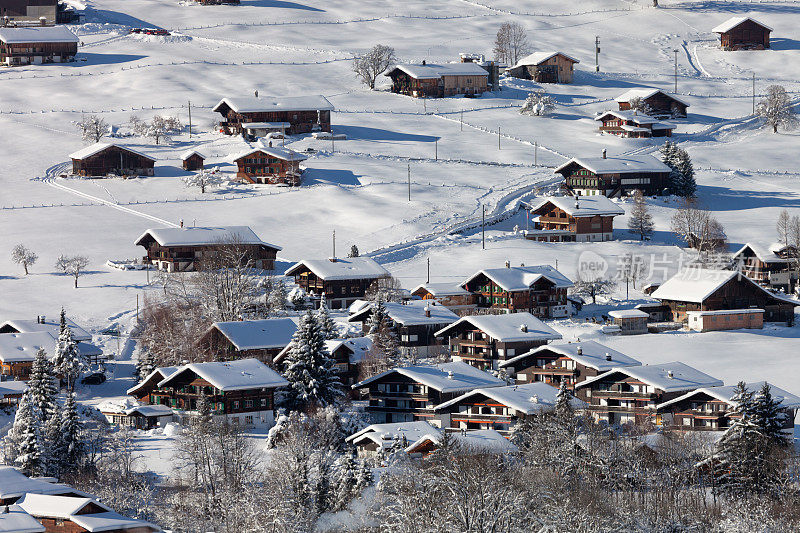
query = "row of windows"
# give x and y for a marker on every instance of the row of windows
(248, 404)
(262, 160)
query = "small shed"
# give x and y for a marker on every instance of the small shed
(545, 67)
(630, 321)
(724, 320)
(193, 160)
(743, 33)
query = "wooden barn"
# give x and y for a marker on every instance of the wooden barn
(261, 339)
(573, 219)
(180, 249)
(451, 295)
(615, 176)
(107, 159)
(35, 45)
(268, 164)
(770, 266)
(743, 33)
(436, 81)
(545, 67)
(29, 11)
(633, 125)
(660, 104)
(193, 160)
(303, 114)
(340, 281)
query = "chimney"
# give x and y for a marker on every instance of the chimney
(523, 328)
(608, 356)
(522, 264)
(181, 222)
(4, 509)
(256, 93)
(270, 144)
(423, 63)
(38, 319)
(42, 21)
(43, 319)
(427, 311)
(508, 264)
(670, 375)
(534, 399)
(604, 153)
(449, 374)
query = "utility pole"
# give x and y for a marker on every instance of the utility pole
(429, 271)
(190, 119)
(436, 146)
(462, 118)
(535, 153)
(334, 244)
(754, 93)
(676, 70)
(498, 137)
(483, 228)
(409, 182)
(333, 145)
(137, 308)
(597, 54)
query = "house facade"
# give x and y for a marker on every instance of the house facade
(104, 159)
(659, 103)
(303, 114)
(743, 33)
(632, 124)
(615, 176)
(451, 295)
(29, 10)
(428, 80)
(545, 67)
(35, 45)
(776, 266)
(193, 160)
(340, 281)
(573, 219)
(268, 164)
(241, 339)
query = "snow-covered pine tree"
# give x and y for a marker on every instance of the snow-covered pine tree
(145, 363)
(365, 477)
(204, 408)
(326, 323)
(42, 384)
(276, 299)
(378, 315)
(353, 251)
(68, 362)
(24, 441)
(53, 463)
(686, 186)
(563, 408)
(640, 221)
(309, 368)
(73, 447)
(768, 417)
(346, 481)
(669, 155)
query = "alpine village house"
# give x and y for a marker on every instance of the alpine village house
(574, 219)
(437, 81)
(544, 67)
(268, 164)
(632, 124)
(104, 159)
(743, 33)
(292, 114)
(340, 281)
(614, 176)
(774, 267)
(261, 339)
(656, 102)
(36, 45)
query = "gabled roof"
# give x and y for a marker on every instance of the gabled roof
(443, 377)
(694, 284)
(357, 346)
(22, 347)
(522, 277)
(582, 206)
(200, 236)
(442, 289)
(16, 520)
(241, 374)
(669, 377)
(765, 254)
(538, 58)
(128, 407)
(644, 93)
(99, 147)
(735, 21)
(623, 165)
(53, 326)
(341, 268)
(284, 154)
(587, 353)
(638, 118)
(66, 508)
(156, 375)
(264, 334)
(14, 484)
(510, 327)
(530, 398)
(411, 313)
(385, 434)
(189, 153)
(727, 392)
(266, 104)
(479, 440)
(38, 34)
(12, 388)
(434, 71)
(628, 313)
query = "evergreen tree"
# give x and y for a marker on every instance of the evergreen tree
(768, 417)
(378, 315)
(204, 411)
(68, 362)
(346, 481)
(41, 384)
(641, 221)
(365, 477)
(145, 364)
(326, 323)
(53, 445)
(24, 441)
(72, 445)
(564, 409)
(309, 368)
(276, 298)
(353, 251)
(686, 186)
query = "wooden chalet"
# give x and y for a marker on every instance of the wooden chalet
(776, 266)
(725, 320)
(64, 514)
(14, 485)
(240, 391)
(414, 323)
(18, 350)
(386, 437)
(630, 395)
(660, 104)
(35, 45)
(268, 164)
(712, 408)
(545, 67)
(743, 33)
(498, 408)
(261, 339)
(142, 391)
(130, 414)
(11, 392)
(347, 355)
(571, 219)
(571, 362)
(451, 295)
(537, 289)
(615, 176)
(407, 394)
(340, 281)
(29, 11)
(193, 160)
(437, 81)
(181, 249)
(106, 159)
(303, 114)
(492, 67)
(476, 441)
(485, 341)
(632, 124)
(698, 289)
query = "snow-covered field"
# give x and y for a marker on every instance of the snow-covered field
(358, 187)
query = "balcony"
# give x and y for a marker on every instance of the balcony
(399, 395)
(620, 394)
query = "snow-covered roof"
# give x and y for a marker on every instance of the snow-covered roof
(19, 347)
(358, 346)
(385, 434)
(189, 153)
(128, 407)
(37, 34)
(16, 520)
(227, 376)
(267, 104)
(99, 147)
(765, 254)
(529, 398)
(645, 93)
(434, 71)
(201, 236)
(587, 353)
(510, 327)
(479, 440)
(443, 377)
(442, 289)
(622, 164)
(693, 284)
(628, 313)
(158, 374)
(735, 21)
(53, 326)
(341, 268)
(66, 508)
(638, 118)
(12, 388)
(265, 125)
(727, 392)
(267, 333)
(669, 377)
(284, 154)
(14, 484)
(582, 206)
(412, 313)
(538, 58)
(522, 277)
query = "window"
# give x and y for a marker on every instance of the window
(236, 404)
(248, 420)
(248, 404)
(263, 402)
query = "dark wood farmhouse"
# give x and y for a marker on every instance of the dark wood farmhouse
(268, 164)
(303, 114)
(697, 289)
(141, 392)
(410, 393)
(18, 350)
(240, 391)
(64, 514)
(261, 339)
(436, 81)
(29, 10)
(571, 362)
(615, 176)
(537, 289)
(632, 124)
(774, 267)
(180, 249)
(573, 219)
(35, 45)
(544, 67)
(340, 281)
(451, 295)
(743, 33)
(629, 395)
(105, 159)
(653, 102)
(193, 160)
(485, 341)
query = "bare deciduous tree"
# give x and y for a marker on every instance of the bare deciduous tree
(697, 228)
(93, 128)
(204, 179)
(782, 226)
(389, 287)
(24, 256)
(511, 43)
(374, 63)
(776, 109)
(158, 128)
(73, 265)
